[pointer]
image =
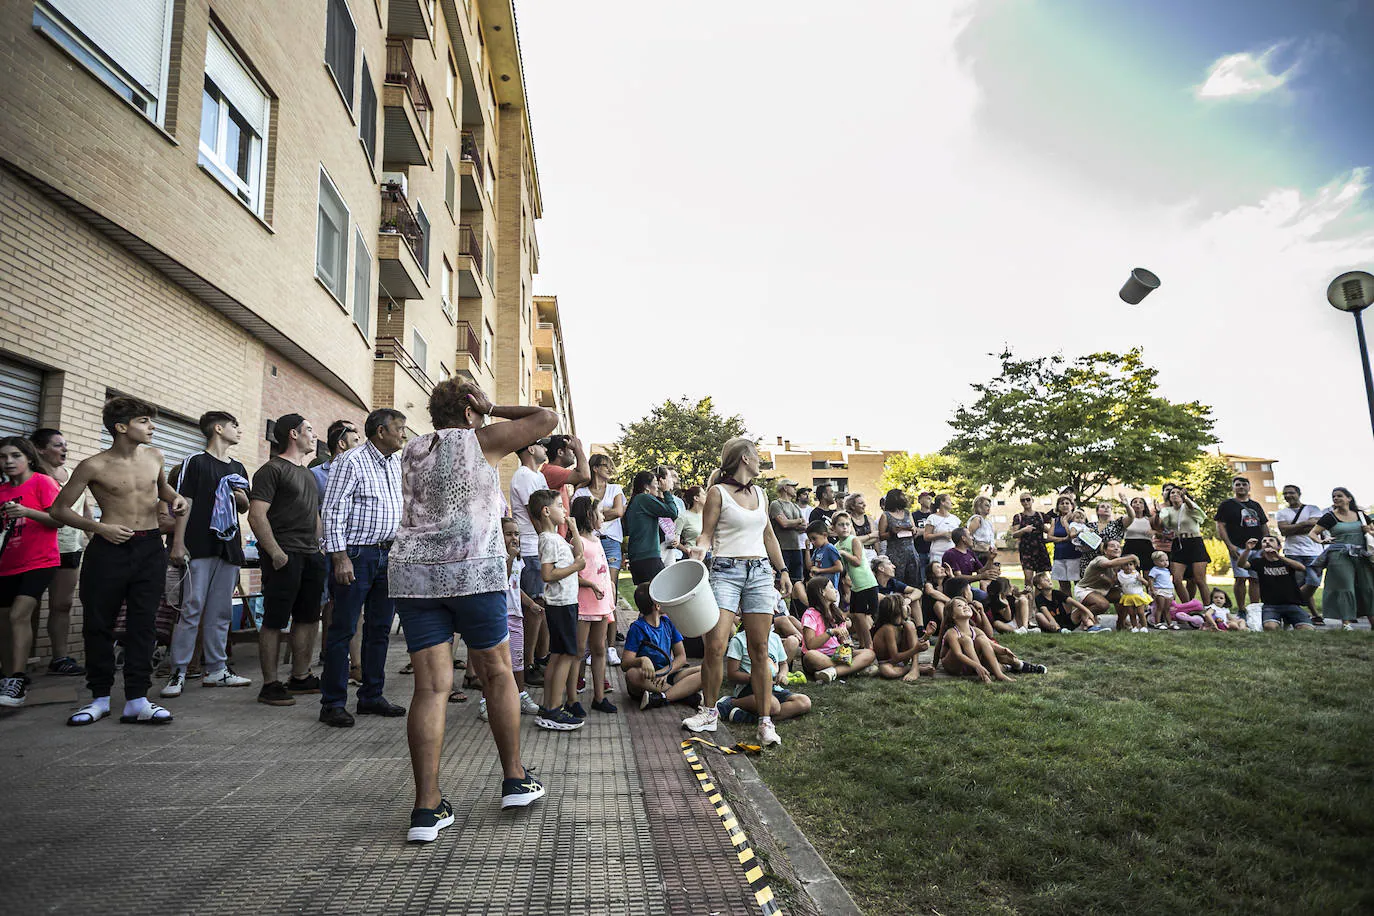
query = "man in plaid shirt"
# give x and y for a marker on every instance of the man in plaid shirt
(361, 511)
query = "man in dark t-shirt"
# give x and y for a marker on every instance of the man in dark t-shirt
(284, 511)
(1280, 581)
(207, 544)
(1238, 520)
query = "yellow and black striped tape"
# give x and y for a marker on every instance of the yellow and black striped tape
(753, 872)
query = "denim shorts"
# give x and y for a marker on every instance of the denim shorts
(479, 619)
(743, 586)
(614, 552)
(532, 577)
(1313, 577)
(1238, 573)
(1289, 614)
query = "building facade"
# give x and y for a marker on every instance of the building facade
(1260, 473)
(849, 468)
(325, 207)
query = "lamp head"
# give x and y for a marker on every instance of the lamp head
(1352, 291)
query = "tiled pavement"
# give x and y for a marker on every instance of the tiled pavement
(240, 808)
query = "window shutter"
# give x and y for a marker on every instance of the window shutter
(239, 87)
(340, 35)
(367, 125)
(362, 285)
(135, 37)
(21, 393)
(448, 182)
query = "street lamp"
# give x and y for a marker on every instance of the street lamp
(1354, 292)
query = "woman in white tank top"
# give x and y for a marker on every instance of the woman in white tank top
(744, 559)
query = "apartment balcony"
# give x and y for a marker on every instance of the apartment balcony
(469, 348)
(471, 172)
(545, 346)
(409, 19)
(407, 108)
(472, 280)
(399, 245)
(390, 349)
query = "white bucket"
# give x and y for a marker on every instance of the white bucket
(683, 591)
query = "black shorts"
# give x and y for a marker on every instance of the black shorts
(29, 584)
(864, 602)
(1189, 551)
(562, 621)
(642, 571)
(71, 560)
(292, 594)
(795, 561)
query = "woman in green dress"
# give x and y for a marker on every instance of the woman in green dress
(1349, 589)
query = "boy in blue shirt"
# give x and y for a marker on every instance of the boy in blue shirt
(654, 659)
(825, 559)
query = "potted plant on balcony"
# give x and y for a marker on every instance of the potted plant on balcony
(389, 225)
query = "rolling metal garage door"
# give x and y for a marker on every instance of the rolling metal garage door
(21, 391)
(177, 438)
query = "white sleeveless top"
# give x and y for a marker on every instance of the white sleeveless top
(739, 531)
(613, 528)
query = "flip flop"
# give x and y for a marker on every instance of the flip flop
(408, 669)
(457, 697)
(148, 716)
(92, 715)
(459, 664)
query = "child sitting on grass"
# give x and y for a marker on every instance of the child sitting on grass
(743, 706)
(966, 651)
(1133, 601)
(897, 642)
(1057, 612)
(1199, 617)
(934, 598)
(961, 587)
(595, 603)
(654, 660)
(1008, 611)
(1162, 584)
(829, 651)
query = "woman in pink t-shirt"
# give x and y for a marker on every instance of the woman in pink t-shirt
(595, 602)
(29, 557)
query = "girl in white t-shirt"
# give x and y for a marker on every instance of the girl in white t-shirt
(1162, 584)
(939, 525)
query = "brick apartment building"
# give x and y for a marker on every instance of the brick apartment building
(849, 468)
(322, 206)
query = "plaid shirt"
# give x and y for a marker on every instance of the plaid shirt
(362, 502)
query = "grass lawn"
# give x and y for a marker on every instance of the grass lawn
(1159, 773)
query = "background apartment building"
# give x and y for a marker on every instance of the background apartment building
(849, 468)
(322, 206)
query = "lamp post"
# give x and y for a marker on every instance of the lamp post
(1354, 292)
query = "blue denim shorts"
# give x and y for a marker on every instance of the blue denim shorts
(1313, 576)
(479, 619)
(743, 586)
(614, 552)
(1239, 573)
(532, 577)
(1289, 614)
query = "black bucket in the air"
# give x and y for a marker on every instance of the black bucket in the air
(1140, 285)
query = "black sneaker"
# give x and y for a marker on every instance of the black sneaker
(425, 823)
(1033, 668)
(651, 700)
(576, 709)
(66, 666)
(1318, 620)
(13, 690)
(307, 684)
(517, 793)
(276, 694)
(336, 716)
(557, 720)
(534, 677)
(604, 705)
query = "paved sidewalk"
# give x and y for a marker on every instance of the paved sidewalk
(241, 808)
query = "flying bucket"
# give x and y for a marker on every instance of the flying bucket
(1140, 285)
(683, 591)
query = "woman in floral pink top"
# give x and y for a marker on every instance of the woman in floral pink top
(447, 572)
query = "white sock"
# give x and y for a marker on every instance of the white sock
(524, 695)
(765, 720)
(135, 706)
(101, 703)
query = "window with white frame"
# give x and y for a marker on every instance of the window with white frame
(420, 350)
(234, 112)
(486, 343)
(444, 374)
(450, 180)
(423, 221)
(340, 42)
(128, 52)
(1241, 466)
(491, 265)
(451, 86)
(367, 114)
(1266, 467)
(331, 240)
(446, 288)
(1269, 482)
(362, 283)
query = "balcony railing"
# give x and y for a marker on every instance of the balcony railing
(398, 218)
(470, 152)
(469, 245)
(391, 348)
(468, 342)
(400, 71)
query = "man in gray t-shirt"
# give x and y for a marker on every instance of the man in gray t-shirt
(789, 524)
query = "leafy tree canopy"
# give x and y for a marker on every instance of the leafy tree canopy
(1051, 422)
(685, 434)
(936, 472)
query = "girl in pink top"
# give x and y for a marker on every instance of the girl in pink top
(595, 602)
(30, 555)
(825, 634)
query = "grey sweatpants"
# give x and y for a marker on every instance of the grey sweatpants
(207, 603)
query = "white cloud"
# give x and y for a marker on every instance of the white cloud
(1243, 75)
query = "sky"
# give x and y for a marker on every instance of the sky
(828, 216)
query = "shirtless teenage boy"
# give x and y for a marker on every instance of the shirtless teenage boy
(125, 563)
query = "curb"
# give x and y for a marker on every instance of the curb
(818, 880)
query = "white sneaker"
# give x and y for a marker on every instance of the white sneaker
(827, 675)
(1021, 631)
(612, 657)
(482, 710)
(704, 721)
(767, 733)
(175, 684)
(527, 706)
(225, 678)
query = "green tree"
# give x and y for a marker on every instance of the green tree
(936, 472)
(683, 433)
(1052, 422)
